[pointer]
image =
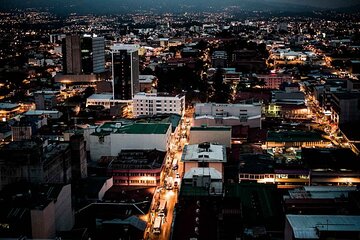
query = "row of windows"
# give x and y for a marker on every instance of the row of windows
(271, 176)
(135, 174)
(159, 101)
(135, 181)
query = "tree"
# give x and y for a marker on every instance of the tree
(221, 90)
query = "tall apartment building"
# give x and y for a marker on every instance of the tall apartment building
(158, 103)
(83, 54)
(125, 71)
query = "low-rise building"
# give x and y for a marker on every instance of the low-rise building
(204, 166)
(8, 110)
(295, 139)
(274, 81)
(113, 137)
(214, 114)
(45, 100)
(136, 167)
(104, 99)
(148, 83)
(321, 227)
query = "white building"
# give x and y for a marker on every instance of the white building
(110, 138)
(204, 166)
(205, 177)
(158, 103)
(105, 100)
(214, 114)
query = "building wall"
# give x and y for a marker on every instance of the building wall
(72, 55)
(188, 165)
(125, 72)
(99, 146)
(151, 104)
(139, 142)
(107, 185)
(98, 54)
(252, 123)
(298, 144)
(212, 136)
(43, 222)
(274, 81)
(112, 144)
(137, 177)
(288, 232)
(228, 114)
(64, 214)
(21, 133)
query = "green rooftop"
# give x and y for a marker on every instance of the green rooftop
(144, 128)
(294, 136)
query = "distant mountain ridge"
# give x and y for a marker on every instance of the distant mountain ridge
(121, 6)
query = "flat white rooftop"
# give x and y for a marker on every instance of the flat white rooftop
(212, 172)
(100, 96)
(196, 153)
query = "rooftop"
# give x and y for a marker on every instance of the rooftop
(308, 226)
(204, 152)
(137, 159)
(145, 128)
(8, 106)
(100, 96)
(212, 172)
(132, 128)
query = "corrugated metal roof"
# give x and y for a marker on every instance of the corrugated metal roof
(307, 226)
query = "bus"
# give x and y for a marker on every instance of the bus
(157, 225)
(162, 208)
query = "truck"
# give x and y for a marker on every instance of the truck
(162, 208)
(157, 225)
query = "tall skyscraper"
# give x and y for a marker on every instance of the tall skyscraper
(72, 54)
(93, 54)
(83, 54)
(125, 71)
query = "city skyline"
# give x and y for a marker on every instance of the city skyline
(180, 119)
(121, 6)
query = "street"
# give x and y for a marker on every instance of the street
(164, 192)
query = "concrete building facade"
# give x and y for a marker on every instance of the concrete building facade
(157, 103)
(214, 114)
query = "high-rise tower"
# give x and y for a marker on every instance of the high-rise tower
(125, 71)
(83, 54)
